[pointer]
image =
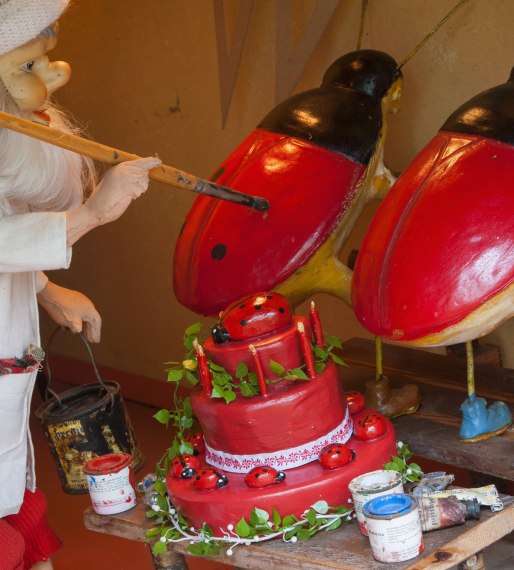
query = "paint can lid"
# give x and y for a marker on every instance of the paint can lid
(388, 505)
(110, 463)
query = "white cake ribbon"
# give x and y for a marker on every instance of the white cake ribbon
(284, 458)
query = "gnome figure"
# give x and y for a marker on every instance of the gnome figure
(42, 214)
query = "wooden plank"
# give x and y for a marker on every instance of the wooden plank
(432, 369)
(342, 549)
(433, 431)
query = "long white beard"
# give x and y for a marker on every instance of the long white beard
(37, 176)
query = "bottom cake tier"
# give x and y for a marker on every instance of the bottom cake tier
(302, 487)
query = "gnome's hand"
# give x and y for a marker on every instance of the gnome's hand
(72, 310)
(122, 184)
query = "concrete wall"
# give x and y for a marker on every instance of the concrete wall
(146, 80)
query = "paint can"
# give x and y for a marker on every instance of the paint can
(110, 480)
(370, 485)
(394, 528)
(85, 422)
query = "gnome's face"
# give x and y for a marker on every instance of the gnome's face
(29, 76)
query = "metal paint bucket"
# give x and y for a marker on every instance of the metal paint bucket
(370, 485)
(83, 423)
(394, 528)
(110, 480)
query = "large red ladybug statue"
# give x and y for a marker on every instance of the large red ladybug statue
(317, 158)
(437, 264)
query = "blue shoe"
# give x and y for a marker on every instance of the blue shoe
(482, 422)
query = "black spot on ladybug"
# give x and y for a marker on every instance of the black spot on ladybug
(281, 310)
(257, 475)
(243, 323)
(269, 296)
(198, 476)
(258, 307)
(242, 306)
(264, 470)
(219, 251)
(338, 452)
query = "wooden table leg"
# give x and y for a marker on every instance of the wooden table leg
(475, 562)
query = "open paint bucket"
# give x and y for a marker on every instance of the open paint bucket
(110, 480)
(85, 422)
(394, 528)
(370, 485)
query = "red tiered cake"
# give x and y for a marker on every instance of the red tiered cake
(285, 427)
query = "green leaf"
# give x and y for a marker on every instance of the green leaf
(320, 353)
(303, 534)
(186, 447)
(276, 518)
(191, 378)
(336, 524)
(193, 329)
(162, 416)
(152, 533)
(310, 515)
(337, 360)
(242, 528)
(160, 487)
(215, 367)
(241, 370)
(246, 389)
(334, 341)
(217, 391)
(159, 547)
(174, 375)
(320, 507)
(276, 368)
(289, 520)
(258, 517)
(300, 374)
(229, 396)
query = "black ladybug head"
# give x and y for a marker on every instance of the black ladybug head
(222, 481)
(367, 71)
(219, 334)
(187, 473)
(280, 476)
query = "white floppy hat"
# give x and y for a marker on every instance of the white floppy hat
(22, 20)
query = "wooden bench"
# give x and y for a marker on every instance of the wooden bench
(432, 433)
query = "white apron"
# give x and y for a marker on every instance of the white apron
(29, 243)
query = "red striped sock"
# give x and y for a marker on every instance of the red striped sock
(40, 540)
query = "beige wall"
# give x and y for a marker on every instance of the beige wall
(146, 80)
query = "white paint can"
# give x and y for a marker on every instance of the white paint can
(110, 480)
(370, 485)
(394, 528)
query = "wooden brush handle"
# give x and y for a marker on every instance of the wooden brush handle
(103, 153)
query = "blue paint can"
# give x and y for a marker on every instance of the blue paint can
(394, 528)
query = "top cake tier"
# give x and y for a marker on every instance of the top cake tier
(282, 346)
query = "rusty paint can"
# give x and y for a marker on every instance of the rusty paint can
(370, 485)
(110, 481)
(394, 528)
(83, 423)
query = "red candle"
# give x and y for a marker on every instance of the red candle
(316, 326)
(203, 368)
(260, 372)
(306, 347)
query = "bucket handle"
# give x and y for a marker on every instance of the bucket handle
(48, 390)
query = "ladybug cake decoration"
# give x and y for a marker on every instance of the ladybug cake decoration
(210, 479)
(263, 477)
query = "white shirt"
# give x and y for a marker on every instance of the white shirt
(29, 244)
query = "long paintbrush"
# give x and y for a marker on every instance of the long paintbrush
(103, 153)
